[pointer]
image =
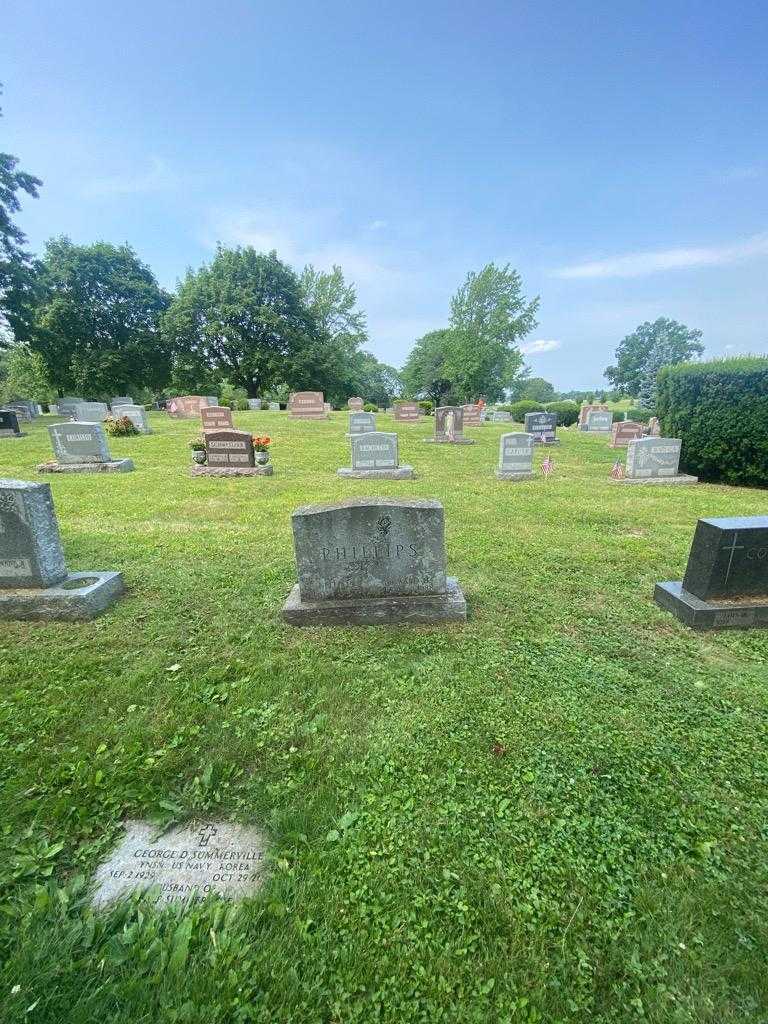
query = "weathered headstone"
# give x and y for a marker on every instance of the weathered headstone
(361, 422)
(599, 421)
(216, 417)
(307, 405)
(91, 412)
(137, 414)
(625, 431)
(34, 581)
(655, 460)
(9, 424)
(186, 407)
(472, 415)
(274, 407)
(726, 581)
(654, 427)
(211, 399)
(543, 426)
(254, 404)
(372, 561)
(449, 426)
(501, 416)
(82, 448)
(406, 412)
(67, 405)
(24, 407)
(375, 456)
(355, 404)
(184, 863)
(515, 456)
(121, 400)
(230, 453)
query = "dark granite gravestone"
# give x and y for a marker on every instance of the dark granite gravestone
(216, 417)
(9, 424)
(361, 423)
(515, 457)
(82, 448)
(375, 456)
(625, 431)
(34, 582)
(726, 581)
(543, 426)
(406, 412)
(370, 561)
(655, 460)
(449, 426)
(307, 405)
(355, 404)
(230, 453)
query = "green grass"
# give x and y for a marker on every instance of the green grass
(553, 813)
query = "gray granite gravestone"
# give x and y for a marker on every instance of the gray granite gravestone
(371, 561)
(655, 460)
(91, 412)
(216, 417)
(184, 863)
(515, 456)
(449, 426)
(121, 400)
(361, 422)
(254, 404)
(599, 421)
(9, 424)
(230, 453)
(82, 448)
(274, 407)
(34, 582)
(726, 581)
(137, 414)
(68, 404)
(355, 404)
(24, 407)
(375, 456)
(543, 426)
(406, 412)
(501, 416)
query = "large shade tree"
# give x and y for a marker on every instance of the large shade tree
(642, 353)
(97, 319)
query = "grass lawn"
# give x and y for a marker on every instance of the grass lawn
(556, 812)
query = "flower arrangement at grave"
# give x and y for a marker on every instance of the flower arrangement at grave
(261, 448)
(197, 444)
(120, 426)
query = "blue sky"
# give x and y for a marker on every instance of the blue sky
(615, 153)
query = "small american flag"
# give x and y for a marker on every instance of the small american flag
(618, 470)
(548, 466)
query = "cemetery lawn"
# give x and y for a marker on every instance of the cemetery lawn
(556, 812)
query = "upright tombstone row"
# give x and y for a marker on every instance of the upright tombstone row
(82, 448)
(369, 561)
(375, 456)
(34, 580)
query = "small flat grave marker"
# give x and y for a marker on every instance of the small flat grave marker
(184, 864)
(516, 457)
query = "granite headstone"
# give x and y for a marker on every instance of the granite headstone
(406, 412)
(375, 455)
(543, 427)
(361, 422)
(216, 417)
(515, 456)
(655, 460)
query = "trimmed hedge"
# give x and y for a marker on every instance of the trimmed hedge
(519, 409)
(638, 415)
(720, 410)
(567, 412)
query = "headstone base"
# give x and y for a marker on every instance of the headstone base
(82, 595)
(698, 614)
(502, 474)
(117, 466)
(378, 611)
(232, 470)
(681, 478)
(456, 440)
(401, 473)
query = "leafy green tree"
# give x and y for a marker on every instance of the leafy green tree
(16, 265)
(243, 317)
(97, 319)
(332, 302)
(425, 371)
(534, 389)
(371, 379)
(641, 355)
(23, 374)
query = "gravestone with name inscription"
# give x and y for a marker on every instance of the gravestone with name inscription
(9, 424)
(254, 404)
(586, 409)
(515, 456)
(472, 415)
(230, 452)
(655, 460)
(599, 421)
(274, 407)
(375, 456)
(216, 417)
(34, 581)
(137, 414)
(187, 407)
(543, 427)
(406, 412)
(501, 416)
(67, 405)
(449, 426)
(307, 405)
(625, 431)
(361, 423)
(372, 561)
(82, 448)
(25, 408)
(355, 404)
(91, 412)
(725, 585)
(183, 864)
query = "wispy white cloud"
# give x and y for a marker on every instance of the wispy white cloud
(158, 177)
(532, 348)
(641, 264)
(377, 225)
